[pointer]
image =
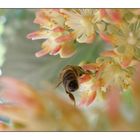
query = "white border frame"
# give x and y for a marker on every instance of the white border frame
(70, 136)
(69, 3)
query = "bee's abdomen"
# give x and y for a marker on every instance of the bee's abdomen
(73, 85)
(70, 82)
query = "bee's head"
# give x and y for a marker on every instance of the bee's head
(81, 71)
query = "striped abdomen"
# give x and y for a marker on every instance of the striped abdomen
(70, 81)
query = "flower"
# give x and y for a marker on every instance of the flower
(113, 16)
(56, 43)
(87, 94)
(101, 74)
(90, 84)
(58, 40)
(113, 72)
(49, 18)
(82, 22)
(126, 40)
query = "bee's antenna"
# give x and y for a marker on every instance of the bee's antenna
(58, 84)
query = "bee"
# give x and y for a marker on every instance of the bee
(69, 77)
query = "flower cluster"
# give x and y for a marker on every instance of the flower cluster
(103, 73)
(126, 40)
(119, 27)
(62, 27)
(58, 39)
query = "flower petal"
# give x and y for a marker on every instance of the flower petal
(83, 102)
(67, 50)
(58, 29)
(43, 52)
(42, 34)
(113, 102)
(111, 15)
(41, 17)
(46, 49)
(115, 15)
(106, 38)
(126, 61)
(90, 67)
(90, 39)
(103, 12)
(91, 98)
(109, 54)
(63, 38)
(55, 51)
(84, 78)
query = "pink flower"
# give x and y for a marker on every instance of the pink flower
(58, 40)
(111, 15)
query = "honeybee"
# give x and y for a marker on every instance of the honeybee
(69, 77)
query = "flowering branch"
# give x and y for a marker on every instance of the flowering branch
(119, 27)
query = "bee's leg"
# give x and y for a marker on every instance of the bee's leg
(71, 97)
(88, 72)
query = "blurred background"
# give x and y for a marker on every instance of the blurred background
(31, 81)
